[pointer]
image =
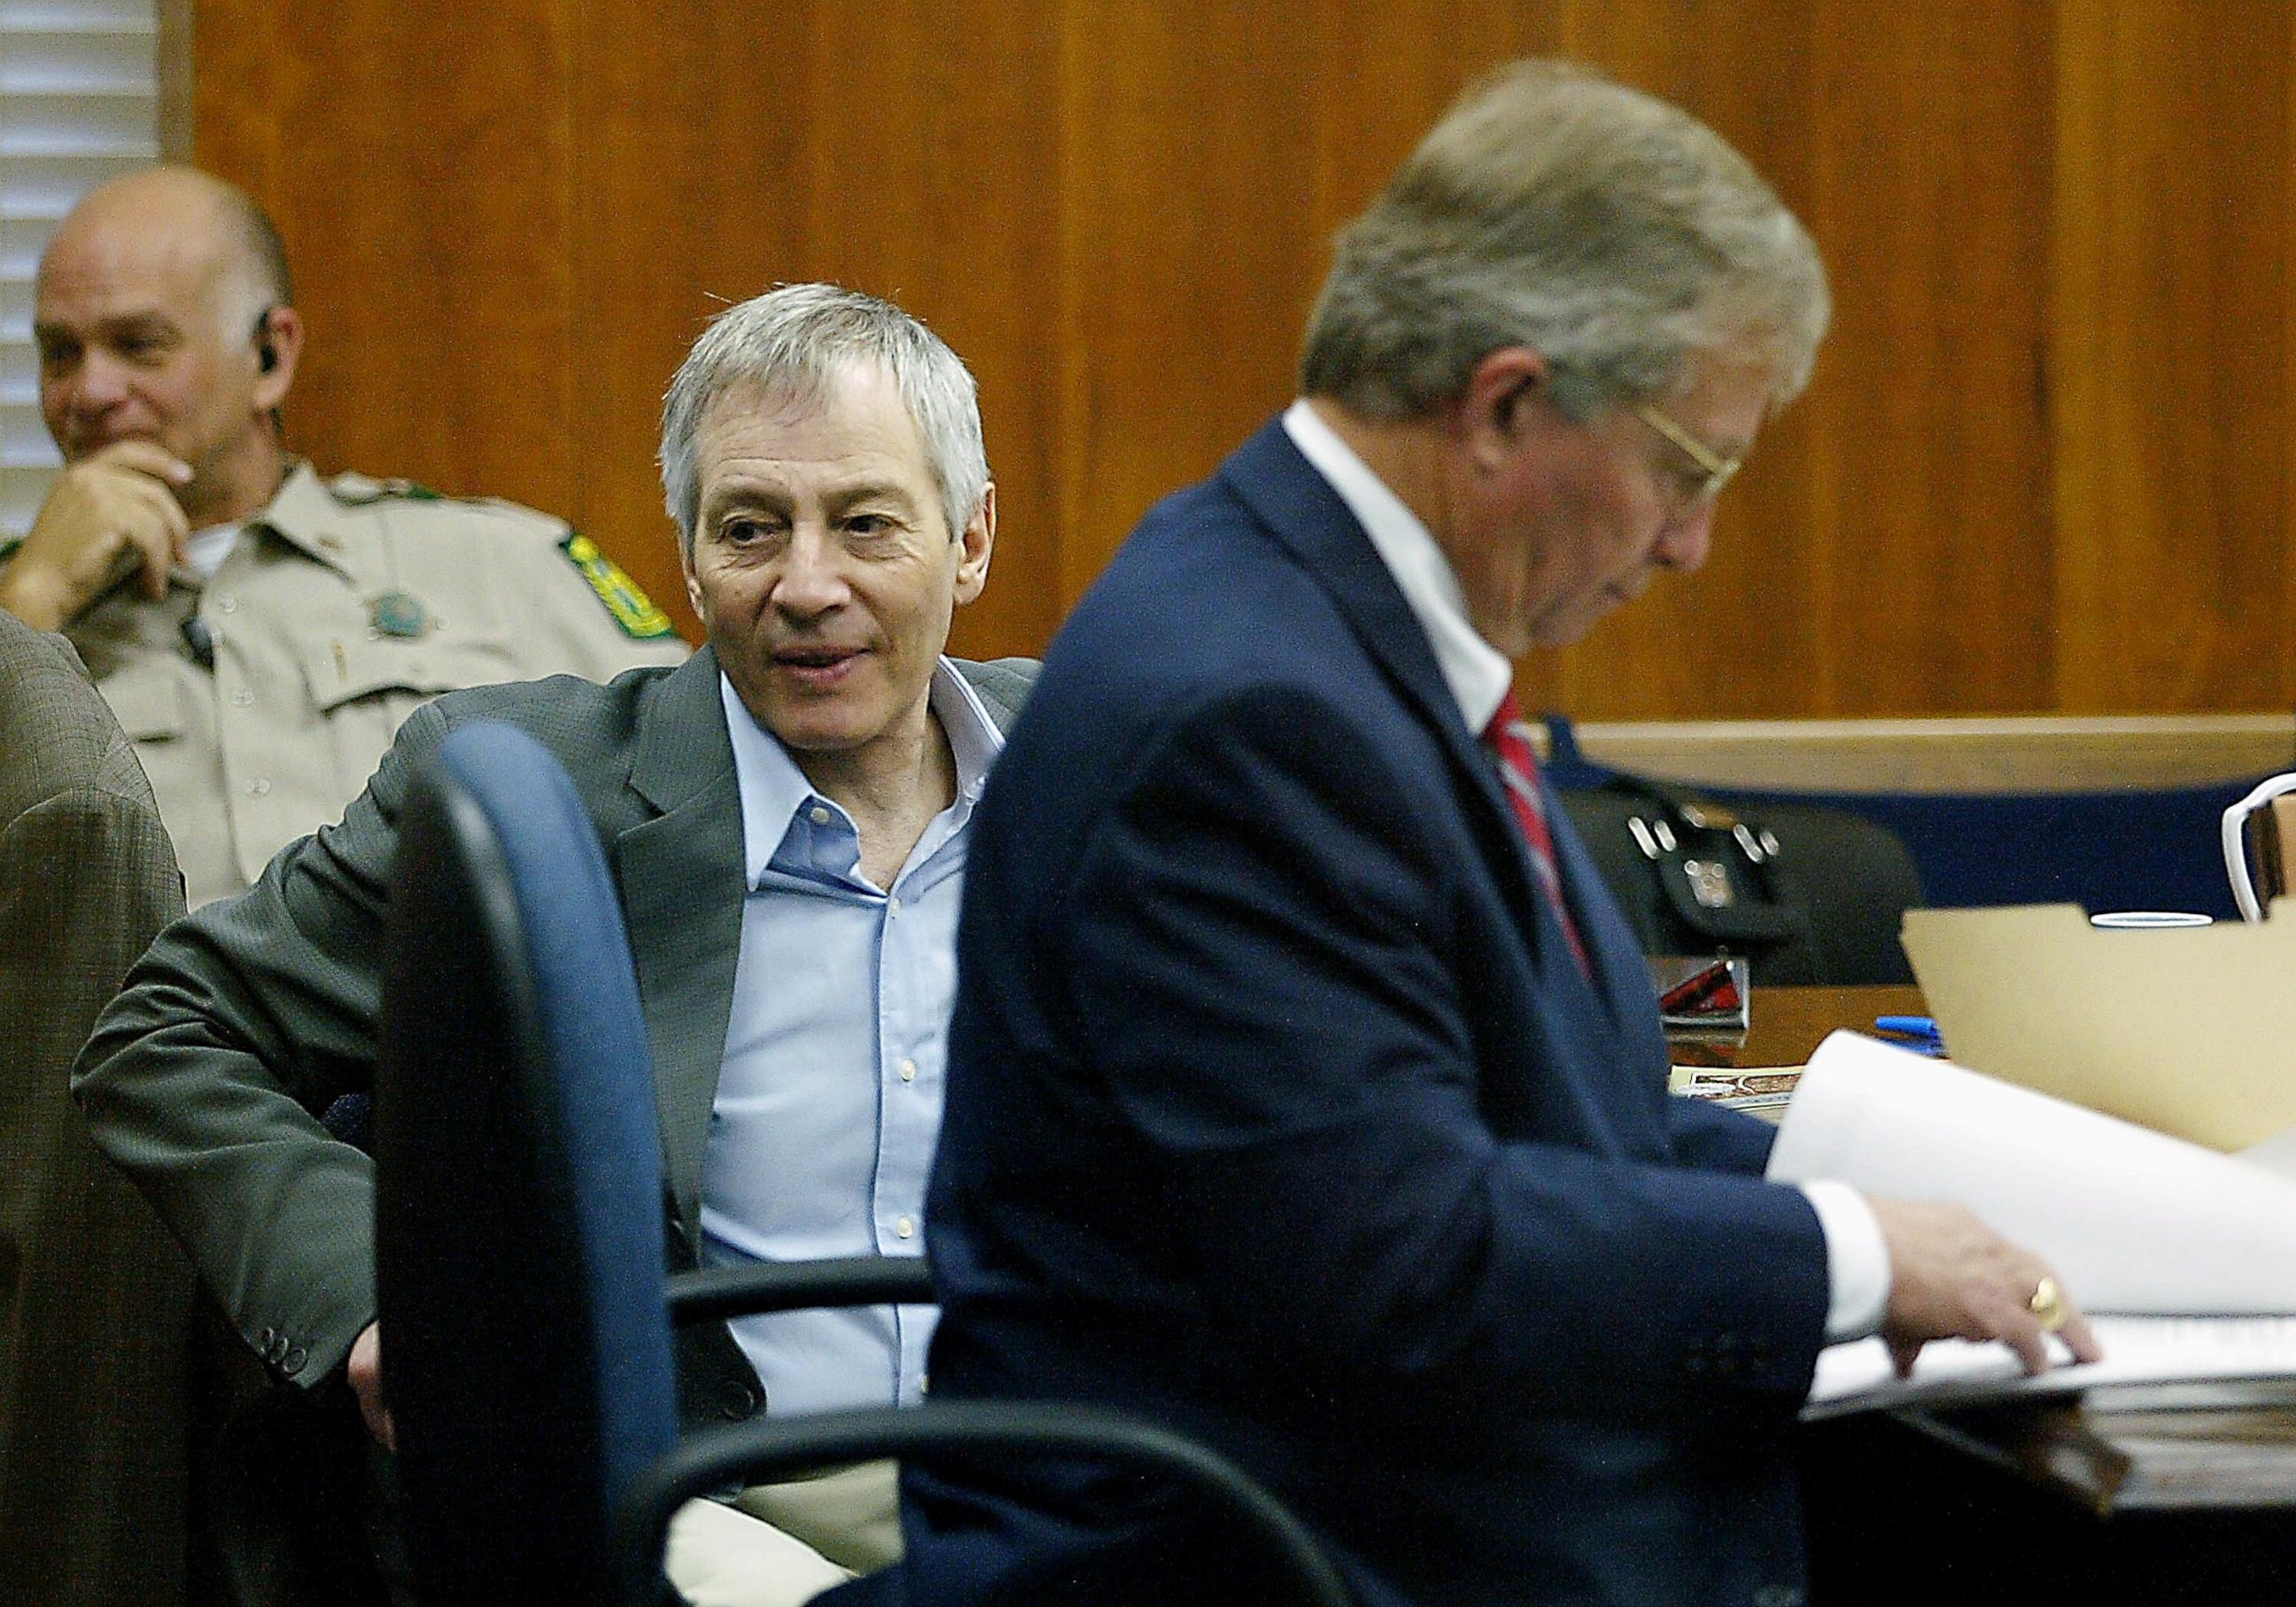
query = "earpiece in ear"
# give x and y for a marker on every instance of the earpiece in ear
(266, 354)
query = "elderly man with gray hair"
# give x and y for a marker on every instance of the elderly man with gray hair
(768, 808)
(1306, 1087)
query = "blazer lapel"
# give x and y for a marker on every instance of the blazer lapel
(682, 893)
(1622, 975)
(1299, 507)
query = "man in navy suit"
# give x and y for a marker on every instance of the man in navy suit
(1307, 1092)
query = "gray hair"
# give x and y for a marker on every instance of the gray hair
(788, 344)
(259, 279)
(1614, 233)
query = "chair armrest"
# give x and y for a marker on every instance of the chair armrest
(716, 1292)
(759, 1451)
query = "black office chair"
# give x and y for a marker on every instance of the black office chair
(2104, 848)
(519, 1237)
(1810, 894)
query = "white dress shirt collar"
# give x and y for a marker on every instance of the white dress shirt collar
(1477, 672)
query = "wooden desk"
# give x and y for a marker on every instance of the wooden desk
(1785, 1025)
(2149, 1496)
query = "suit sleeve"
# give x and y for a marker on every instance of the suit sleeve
(206, 1077)
(1707, 1134)
(1270, 953)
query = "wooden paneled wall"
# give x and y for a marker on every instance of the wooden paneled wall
(2044, 465)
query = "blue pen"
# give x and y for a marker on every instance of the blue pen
(1918, 1033)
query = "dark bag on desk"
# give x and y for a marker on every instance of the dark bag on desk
(1808, 895)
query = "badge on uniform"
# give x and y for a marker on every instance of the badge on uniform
(398, 614)
(632, 609)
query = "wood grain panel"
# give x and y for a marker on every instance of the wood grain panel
(2172, 429)
(1743, 635)
(689, 148)
(428, 216)
(1187, 248)
(915, 161)
(1384, 71)
(1932, 455)
(934, 181)
(2044, 464)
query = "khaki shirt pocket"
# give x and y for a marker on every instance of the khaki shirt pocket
(400, 672)
(149, 706)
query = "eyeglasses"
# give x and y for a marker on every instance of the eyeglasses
(1716, 469)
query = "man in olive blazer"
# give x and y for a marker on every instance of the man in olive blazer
(93, 1296)
(254, 1015)
(821, 457)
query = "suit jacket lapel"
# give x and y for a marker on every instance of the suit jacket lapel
(682, 892)
(1623, 976)
(1307, 516)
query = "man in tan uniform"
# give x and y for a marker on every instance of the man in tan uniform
(260, 631)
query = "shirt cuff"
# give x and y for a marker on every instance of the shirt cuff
(1857, 1261)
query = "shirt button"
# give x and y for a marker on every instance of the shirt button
(241, 699)
(818, 815)
(229, 605)
(892, 907)
(906, 1228)
(259, 787)
(908, 1070)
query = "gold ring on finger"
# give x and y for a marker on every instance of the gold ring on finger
(2048, 1305)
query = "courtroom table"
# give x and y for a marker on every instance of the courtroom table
(2158, 1495)
(1785, 1025)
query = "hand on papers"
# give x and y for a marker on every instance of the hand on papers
(1952, 1277)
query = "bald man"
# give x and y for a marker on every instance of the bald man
(261, 632)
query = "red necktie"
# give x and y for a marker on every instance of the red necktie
(1510, 738)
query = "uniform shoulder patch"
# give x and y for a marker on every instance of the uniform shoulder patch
(632, 609)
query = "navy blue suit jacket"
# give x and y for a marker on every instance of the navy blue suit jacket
(1279, 1110)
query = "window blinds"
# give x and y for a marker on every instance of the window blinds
(78, 103)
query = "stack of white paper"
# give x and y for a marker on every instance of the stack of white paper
(2138, 1350)
(2135, 1223)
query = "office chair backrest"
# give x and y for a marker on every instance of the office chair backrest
(528, 1367)
(527, 1356)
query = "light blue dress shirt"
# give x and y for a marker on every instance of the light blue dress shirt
(830, 1097)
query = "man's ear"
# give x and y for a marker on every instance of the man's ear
(976, 539)
(1494, 409)
(692, 585)
(278, 347)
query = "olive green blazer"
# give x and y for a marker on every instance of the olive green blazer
(94, 1297)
